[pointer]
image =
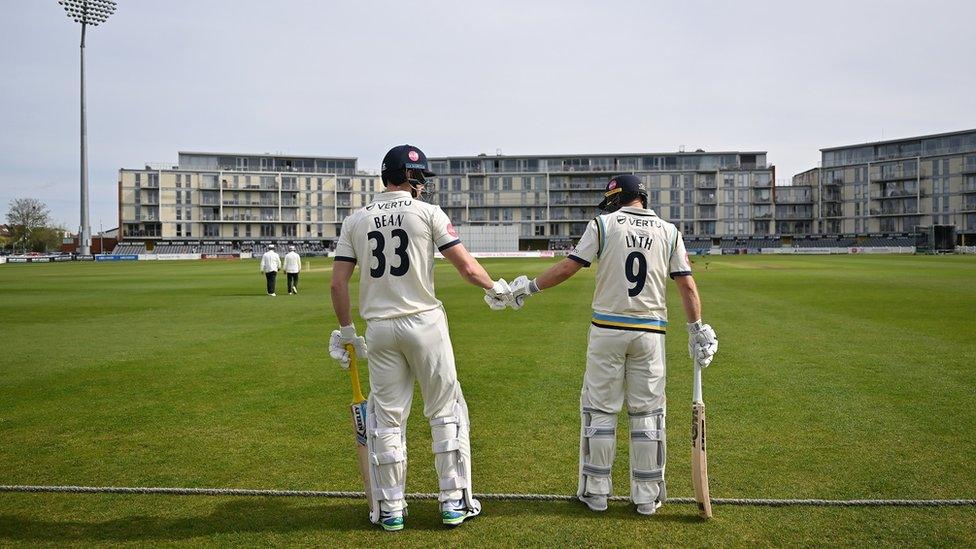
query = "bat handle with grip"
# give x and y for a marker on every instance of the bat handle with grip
(357, 393)
(696, 388)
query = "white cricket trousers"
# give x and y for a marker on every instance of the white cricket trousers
(401, 350)
(623, 363)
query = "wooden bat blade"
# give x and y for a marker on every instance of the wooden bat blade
(699, 461)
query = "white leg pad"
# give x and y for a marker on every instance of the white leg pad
(387, 448)
(452, 455)
(648, 453)
(598, 444)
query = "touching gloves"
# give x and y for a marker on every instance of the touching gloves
(499, 295)
(522, 288)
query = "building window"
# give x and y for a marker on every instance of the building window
(267, 229)
(237, 231)
(188, 232)
(179, 229)
(247, 230)
(211, 229)
(179, 180)
(179, 196)
(138, 179)
(179, 215)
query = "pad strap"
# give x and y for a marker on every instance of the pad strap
(654, 412)
(599, 432)
(596, 470)
(384, 458)
(386, 431)
(444, 446)
(645, 475)
(447, 420)
(647, 434)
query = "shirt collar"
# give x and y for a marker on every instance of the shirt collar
(639, 211)
(391, 195)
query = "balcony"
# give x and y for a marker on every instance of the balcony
(788, 216)
(896, 175)
(761, 199)
(896, 193)
(892, 212)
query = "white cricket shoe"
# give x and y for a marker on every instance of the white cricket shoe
(648, 508)
(596, 502)
(273, 295)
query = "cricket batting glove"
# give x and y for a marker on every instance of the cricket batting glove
(346, 335)
(522, 288)
(498, 295)
(702, 343)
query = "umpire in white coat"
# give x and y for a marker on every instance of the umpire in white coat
(293, 266)
(270, 265)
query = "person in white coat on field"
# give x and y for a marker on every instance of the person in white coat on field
(270, 265)
(293, 266)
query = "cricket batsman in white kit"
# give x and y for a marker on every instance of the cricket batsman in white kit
(636, 252)
(393, 239)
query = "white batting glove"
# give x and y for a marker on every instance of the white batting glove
(498, 295)
(702, 343)
(522, 288)
(346, 335)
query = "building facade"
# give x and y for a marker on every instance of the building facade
(551, 198)
(894, 186)
(244, 198)
(241, 198)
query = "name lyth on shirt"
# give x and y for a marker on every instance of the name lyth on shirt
(639, 241)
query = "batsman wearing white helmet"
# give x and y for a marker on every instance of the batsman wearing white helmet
(393, 239)
(636, 252)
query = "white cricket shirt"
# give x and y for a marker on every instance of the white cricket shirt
(393, 240)
(636, 251)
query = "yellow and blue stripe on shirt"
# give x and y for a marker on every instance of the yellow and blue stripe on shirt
(619, 322)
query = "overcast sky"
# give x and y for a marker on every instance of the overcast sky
(456, 78)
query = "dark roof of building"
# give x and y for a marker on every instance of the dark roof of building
(886, 141)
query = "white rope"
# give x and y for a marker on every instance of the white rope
(512, 497)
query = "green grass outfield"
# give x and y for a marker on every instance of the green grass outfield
(837, 377)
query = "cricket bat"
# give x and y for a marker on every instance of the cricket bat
(358, 410)
(699, 462)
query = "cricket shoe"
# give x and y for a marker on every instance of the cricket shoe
(596, 502)
(391, 521)
(454, 512)
(648, 508)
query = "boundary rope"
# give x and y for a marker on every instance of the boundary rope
(765, 502)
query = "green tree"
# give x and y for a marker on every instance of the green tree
(25, 216)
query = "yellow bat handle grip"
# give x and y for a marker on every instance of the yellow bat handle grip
(357, 393)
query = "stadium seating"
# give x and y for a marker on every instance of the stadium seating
(129, 249)
(753, 242)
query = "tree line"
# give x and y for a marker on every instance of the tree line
(30, 228)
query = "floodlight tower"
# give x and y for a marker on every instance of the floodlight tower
(86, 12)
